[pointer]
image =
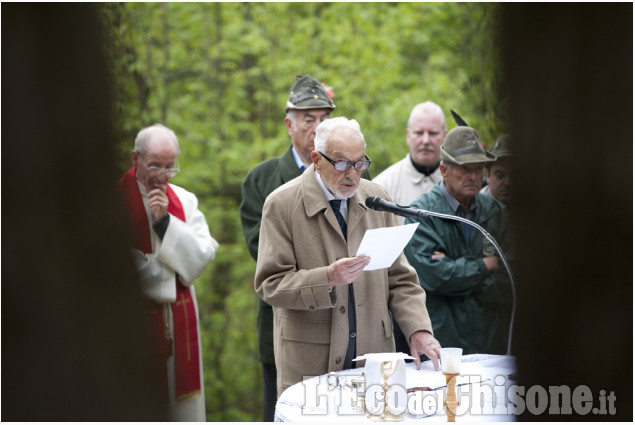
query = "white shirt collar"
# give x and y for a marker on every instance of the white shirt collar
(298, 161)
(142, 189)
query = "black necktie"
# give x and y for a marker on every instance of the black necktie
(352, 322)
(335, 204)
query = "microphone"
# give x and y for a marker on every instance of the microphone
(379, 204)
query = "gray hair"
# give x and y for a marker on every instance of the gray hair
(144, 135)
(291, 114)
(326, 127)
(429, 107)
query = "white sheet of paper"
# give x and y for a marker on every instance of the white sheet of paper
(384, 245)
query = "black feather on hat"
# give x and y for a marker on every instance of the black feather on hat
(457, 118)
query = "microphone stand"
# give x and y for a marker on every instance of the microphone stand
(421, 214)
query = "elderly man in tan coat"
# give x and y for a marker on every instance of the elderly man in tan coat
(327, 310)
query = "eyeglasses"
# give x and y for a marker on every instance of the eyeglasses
(345, 165)
(170, 172)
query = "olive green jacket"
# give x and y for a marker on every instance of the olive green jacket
(468, 305)
(261, 180)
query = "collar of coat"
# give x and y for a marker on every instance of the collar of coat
(417, 176)
(288, 168)
(434, 200)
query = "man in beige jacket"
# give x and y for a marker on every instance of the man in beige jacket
(415, 174)
(327, 310)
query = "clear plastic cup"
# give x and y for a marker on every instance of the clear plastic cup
(451, 359)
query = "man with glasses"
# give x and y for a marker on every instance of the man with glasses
(469, 293)
(308, 105)
(171, 246)
(327, 310)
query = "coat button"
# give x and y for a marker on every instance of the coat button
(342, 309)
(338, 360)
(311, 307)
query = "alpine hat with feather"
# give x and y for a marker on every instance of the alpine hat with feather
(308, 93)
(463, 145)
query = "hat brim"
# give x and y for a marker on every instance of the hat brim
(468, 158)
(503, 153)
(310, 104)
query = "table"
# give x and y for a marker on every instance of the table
(485, 391)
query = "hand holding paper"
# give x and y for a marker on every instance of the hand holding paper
(346, 270)
(384, 245)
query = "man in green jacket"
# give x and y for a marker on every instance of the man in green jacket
(468, 291)
(309, 104)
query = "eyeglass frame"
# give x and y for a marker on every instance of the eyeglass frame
(349, 164)
(170, 172)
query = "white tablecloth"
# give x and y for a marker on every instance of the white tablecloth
(483, 391)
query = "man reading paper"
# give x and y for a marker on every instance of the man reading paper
(327, 310)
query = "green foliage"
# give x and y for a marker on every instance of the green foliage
(218, 74)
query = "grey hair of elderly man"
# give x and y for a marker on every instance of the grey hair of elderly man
(144, 135)
(325, 129)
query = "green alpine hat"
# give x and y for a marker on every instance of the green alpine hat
(502, 147)
(308, 93)
(463, 145)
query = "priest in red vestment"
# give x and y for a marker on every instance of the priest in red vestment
(171, 246)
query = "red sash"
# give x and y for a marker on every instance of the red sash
(186, 352)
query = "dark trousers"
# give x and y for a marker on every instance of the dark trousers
(401, 343)
(269, 391)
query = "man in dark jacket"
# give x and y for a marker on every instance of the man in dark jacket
(469, 293)
(499, 173)
(308, 105)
